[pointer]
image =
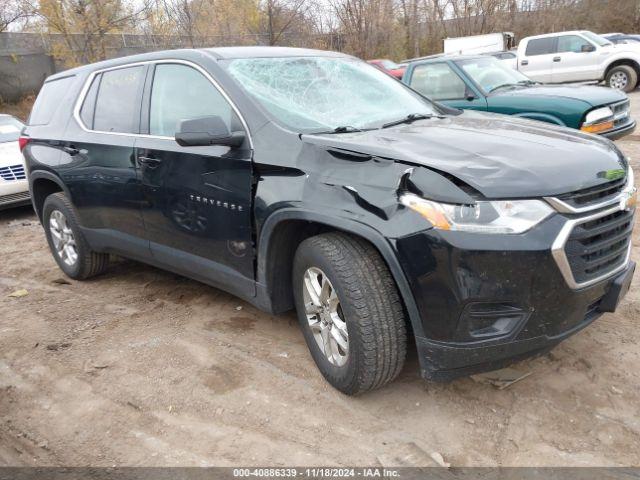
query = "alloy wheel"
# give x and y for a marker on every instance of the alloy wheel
(619, 80)
(325, 316)
(63, 240)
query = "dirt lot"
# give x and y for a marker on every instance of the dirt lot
(142, 367)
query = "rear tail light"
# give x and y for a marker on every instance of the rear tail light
(22, 142)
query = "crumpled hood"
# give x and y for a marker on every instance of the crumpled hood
(500, 156)
(593, 95)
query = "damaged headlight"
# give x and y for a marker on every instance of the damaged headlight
(499, 216)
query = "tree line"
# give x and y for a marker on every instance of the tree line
(395, 29)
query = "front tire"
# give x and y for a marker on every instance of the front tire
(622, 77)
(68, 246)
(350, 312)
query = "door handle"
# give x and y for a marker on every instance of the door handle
(149, 161)
(71, 150)
(524, 62)
(556, 59)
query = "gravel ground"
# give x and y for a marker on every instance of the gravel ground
(143, 367)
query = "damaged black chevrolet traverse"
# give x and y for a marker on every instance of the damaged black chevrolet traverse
(310, 180)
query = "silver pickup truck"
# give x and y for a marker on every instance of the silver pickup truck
(579, 56)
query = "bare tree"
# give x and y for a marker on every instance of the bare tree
(368, 23)
(367, 28)
(12, 12)
(282, 16)
(186, 15)
(83, 26)
(410, 20)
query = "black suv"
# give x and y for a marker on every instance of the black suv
(310, 179)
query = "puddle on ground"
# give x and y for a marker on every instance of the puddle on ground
(222, 379)
(236, 324)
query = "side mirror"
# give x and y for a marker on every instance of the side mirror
(203, 131)
(470, 97)
(588, 48)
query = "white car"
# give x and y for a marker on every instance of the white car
(14, 187)
(579, 56)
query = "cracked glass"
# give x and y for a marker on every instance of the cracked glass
(322, 93)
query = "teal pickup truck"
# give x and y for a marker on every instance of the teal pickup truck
(484, 83)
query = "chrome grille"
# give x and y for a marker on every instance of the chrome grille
(599, 246)
(13, 172)
(621, 112)
(598, 194)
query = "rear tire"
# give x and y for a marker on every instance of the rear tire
(369, 315)
(622, 77)
(68, 246)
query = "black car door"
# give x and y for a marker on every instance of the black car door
(97, 163)
(197, 209)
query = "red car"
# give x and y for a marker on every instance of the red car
(389, 67)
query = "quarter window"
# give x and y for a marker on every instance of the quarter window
(180, 93)
(438, 82)
(117, 103)
(48, 101)
(541, 46)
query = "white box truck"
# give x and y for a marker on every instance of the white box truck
(488, 43)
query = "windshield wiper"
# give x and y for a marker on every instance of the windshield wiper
(412, 117)
(340, 129)
(504, 85)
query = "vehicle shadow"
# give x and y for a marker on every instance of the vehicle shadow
(24, 212)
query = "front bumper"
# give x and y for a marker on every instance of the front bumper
(620, 132)
(488, 300)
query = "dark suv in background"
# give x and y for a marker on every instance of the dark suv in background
(309, 179)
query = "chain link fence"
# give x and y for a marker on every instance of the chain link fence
(26, 59)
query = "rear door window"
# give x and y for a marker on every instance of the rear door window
(49, 99)
(117, 106)
(541, 46)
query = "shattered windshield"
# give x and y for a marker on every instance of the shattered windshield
(313, 94)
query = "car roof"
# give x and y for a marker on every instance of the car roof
(218, 53)
(426, 57)
(556, 34)
(451, 56)
(269, 52)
